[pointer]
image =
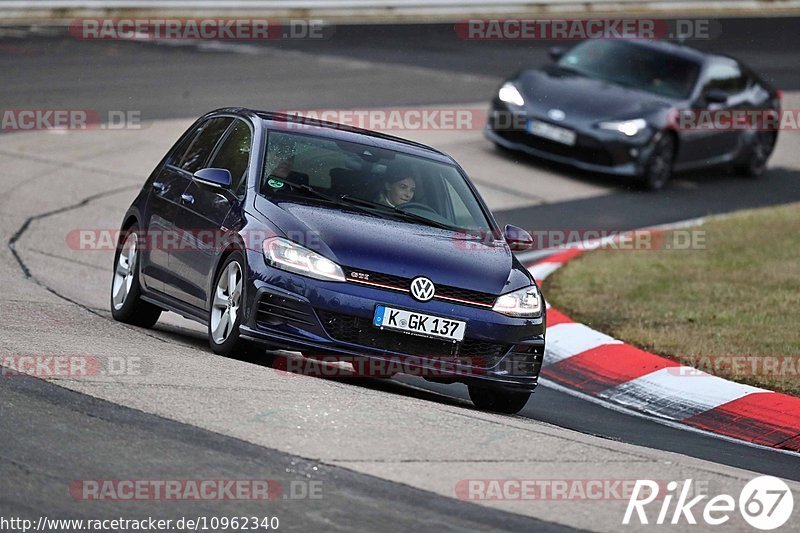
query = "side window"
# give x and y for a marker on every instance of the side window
(179, 150)
(205, 138)
(234, 154)
(725, 75)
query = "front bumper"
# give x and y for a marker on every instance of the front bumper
(335, 319)
(595, 150)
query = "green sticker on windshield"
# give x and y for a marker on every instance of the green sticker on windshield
(275, 184)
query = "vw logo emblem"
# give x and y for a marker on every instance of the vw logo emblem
(557, 115)
(422, 289)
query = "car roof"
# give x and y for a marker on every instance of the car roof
(334, 131)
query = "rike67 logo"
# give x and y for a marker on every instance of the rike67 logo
(765, 503)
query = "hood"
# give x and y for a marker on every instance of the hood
(584, 101)
(359, 240)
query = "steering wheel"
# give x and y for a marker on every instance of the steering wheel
(418, 206)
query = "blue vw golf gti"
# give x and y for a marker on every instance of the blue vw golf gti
(332, 240)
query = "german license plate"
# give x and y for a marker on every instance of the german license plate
(553, 133)
(419, 323)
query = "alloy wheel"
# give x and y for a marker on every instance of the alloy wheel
(226, 303)
(661, 164)
(125, 270)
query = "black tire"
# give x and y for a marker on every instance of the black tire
(497, 399)
(131, 309)
(252, 352)
(757, 155)
(658, 170)
(232, 345)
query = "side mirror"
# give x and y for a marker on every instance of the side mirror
(556, 52)
(715, 96)
(215, 177)
(518, 239)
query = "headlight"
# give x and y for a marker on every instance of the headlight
(510, 94)
(626, 127)
(525, 302)
(286, 255)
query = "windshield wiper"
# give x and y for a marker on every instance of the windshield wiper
(366, 205)
(398, 212)
(305, 188)
(341, 200)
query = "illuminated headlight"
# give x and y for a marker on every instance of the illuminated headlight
(525, 302)
(510, 94)
(626, 127)
(286, 255)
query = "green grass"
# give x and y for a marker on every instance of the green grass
(708, 307)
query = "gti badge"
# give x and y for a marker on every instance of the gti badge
(557, 115)
(422, 289)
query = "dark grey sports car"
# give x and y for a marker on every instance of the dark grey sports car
(638, 108)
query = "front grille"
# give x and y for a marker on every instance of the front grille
(399, 283)
(466, 294)
(355, 330)
(586, 149)
(274, 310)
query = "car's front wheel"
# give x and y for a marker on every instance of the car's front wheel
(659, 167)
(126, 303)
(756, 162)
(498, 399)
(226, 308)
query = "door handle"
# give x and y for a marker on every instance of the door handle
(187, 198)
(158, 186)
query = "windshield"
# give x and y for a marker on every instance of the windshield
(630, 65)
(384, 182)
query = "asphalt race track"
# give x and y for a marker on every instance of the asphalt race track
(388, 454)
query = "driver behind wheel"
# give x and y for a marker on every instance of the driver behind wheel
(397, 190)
